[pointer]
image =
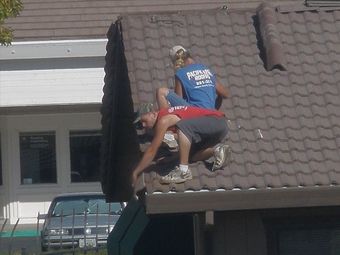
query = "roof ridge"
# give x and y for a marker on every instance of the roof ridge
(274, 49)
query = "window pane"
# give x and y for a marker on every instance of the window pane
(310, 241)
(85, 156)
(38, 158)
(312, 235)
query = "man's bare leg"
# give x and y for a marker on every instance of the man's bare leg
(221, 154)
(182, 173)
(184, 148)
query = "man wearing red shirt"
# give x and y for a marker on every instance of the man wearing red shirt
(198, 131)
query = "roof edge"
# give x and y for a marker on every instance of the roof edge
(54, 49)
(242, 200)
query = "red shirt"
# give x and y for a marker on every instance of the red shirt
(189, 112)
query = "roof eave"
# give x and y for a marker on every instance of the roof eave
(54, 49)
(189, 202)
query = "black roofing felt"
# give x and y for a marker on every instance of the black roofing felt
(284, 122)
(120, 148)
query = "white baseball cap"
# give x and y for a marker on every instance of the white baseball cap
(174, 50)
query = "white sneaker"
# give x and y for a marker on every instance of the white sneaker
(222, 156)
(176, 176)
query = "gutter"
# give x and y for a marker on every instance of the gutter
(190, 202)
(54, 49)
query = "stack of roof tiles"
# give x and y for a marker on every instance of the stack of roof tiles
(284, 121)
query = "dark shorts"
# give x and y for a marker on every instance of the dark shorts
(204, 132)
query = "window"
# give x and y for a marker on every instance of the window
(85, 156)
(38, 158)
(308, 235)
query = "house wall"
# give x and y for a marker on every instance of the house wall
(313, 230)
(2, 187)
(46, 86)
(50, 81)
(234, 233)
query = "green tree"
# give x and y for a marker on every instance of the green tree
(8, 8)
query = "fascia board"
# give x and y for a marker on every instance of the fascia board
(242, 200)
(54, 49)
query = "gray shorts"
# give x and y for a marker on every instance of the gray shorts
(204, 132)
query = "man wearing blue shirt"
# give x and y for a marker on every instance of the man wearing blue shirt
(195, 84)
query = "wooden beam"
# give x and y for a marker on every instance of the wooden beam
(209, 219)
(199, 238)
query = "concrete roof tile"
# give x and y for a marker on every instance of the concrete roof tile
(305, 180)
(284, 125)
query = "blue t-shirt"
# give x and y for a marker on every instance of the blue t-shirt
(199, 85)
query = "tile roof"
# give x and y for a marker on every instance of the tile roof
(84, 19)
(284, 125)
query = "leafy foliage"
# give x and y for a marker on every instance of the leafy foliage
(8, 8)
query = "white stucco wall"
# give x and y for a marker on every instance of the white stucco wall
(51, 86)
(52, 72)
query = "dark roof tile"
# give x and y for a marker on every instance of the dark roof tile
(305, 180)
(318, 178)
(284, 126)
(288, 180)
(208, 182)
(334, 177)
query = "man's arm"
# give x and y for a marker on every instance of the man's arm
(221, 90)
(222, 93)
(161, 127)
(178, 87)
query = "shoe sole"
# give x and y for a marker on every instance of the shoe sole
(171, 145)
(176, 181)
(170, 142)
